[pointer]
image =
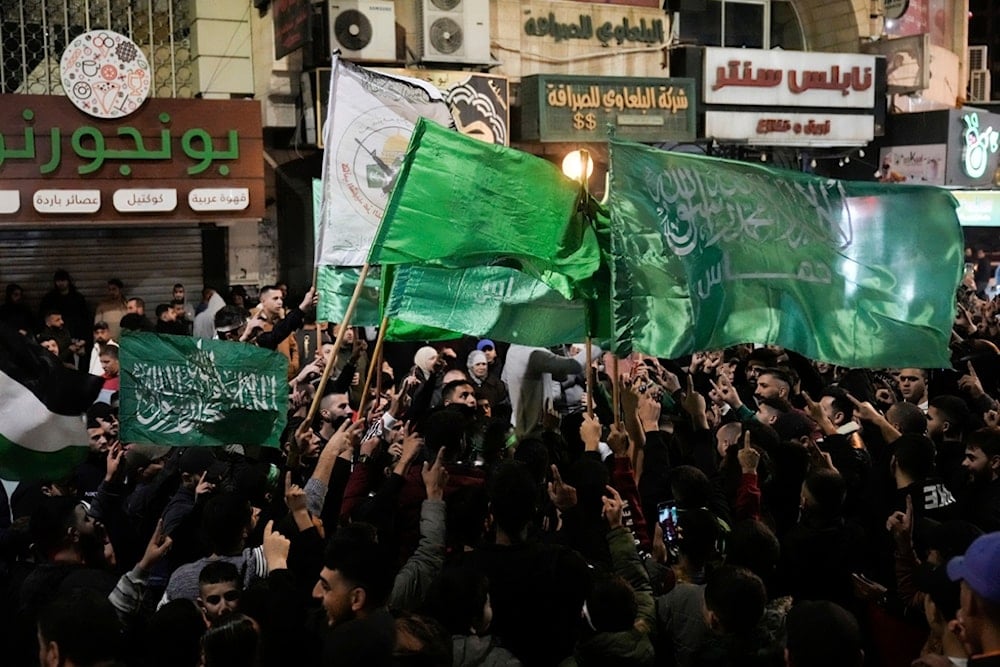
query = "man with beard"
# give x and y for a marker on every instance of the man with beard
(333, 410)
(981, 496)
(70, 551)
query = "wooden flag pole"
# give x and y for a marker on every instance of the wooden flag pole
(345, 323)
(374, 361)
(615, 388)
(590, 382)
(319, 334)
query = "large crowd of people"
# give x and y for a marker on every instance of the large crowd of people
(486, 503)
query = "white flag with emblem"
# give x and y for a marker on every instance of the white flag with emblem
(369, 121)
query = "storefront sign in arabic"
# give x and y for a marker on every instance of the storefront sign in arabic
(789, 79)
(779, 127)
(582, 27)
(572, 108)
(50, 152)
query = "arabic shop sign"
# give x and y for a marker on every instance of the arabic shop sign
(54, 161)
(978, 144)
(580, 109)
(607, 33)
(778, 128)
(789, 78)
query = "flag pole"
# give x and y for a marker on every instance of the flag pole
(348, 314)
(615, 389)
(319, 334)
(590, 383)
(584, 178)
(373, 361)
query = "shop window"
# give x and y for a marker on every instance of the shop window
(753, 24)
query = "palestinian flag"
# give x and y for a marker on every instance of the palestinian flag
(43, 432)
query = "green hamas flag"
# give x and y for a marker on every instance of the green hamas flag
(428, 303)
(708, 253)
(462, 202)
(184, 391)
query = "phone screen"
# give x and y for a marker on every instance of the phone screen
(667, 512)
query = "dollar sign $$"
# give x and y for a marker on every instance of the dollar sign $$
(581, 121)
(591, 121)
(578, 121)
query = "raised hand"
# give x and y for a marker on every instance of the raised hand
(275, 548)
(748, 456)
(435, 476)
(612, 509)
(563, 495)
(159, 544)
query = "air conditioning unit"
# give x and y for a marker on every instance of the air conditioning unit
(979, 85)
(978, 58)
(455, 31)
(364, 29)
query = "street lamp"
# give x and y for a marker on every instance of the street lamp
(578, 165)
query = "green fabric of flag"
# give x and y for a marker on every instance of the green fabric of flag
(461, 202)
(335, 285)
(496, 302)
(709, 253)
(183, 391)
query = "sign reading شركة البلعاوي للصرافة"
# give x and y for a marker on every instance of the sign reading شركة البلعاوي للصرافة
(581, 108)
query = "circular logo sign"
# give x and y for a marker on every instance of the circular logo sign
(895, 9)
(105, 74)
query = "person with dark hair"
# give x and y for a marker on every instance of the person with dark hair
(79, 629)
(233, 642)
(941, 601)
(820, 553)
(136, 305)
(537, 590)
(69, 551)
(113, 307)
(14, 312)
(906, 417)
(67, 301)
(421, 641)
(354, 587)
(101, 337)
(219, 588)
(912, 384)
(181, 622)
(619, 610)
(912, 468)
(822, 634)
(773, 383)
(980, 497)
(734, 607)
(948, 420)
(167, 322)
(269, 311)
(226, 523)
(459, 599)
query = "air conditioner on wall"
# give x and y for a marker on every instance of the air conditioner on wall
(454, 31)
(978, 58)
(364, 29)
(979, 85)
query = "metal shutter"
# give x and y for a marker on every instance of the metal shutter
(148, 260)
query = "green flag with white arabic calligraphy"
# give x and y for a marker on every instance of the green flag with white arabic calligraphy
(709, 253)
(183, 391)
